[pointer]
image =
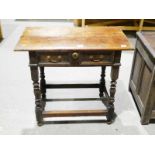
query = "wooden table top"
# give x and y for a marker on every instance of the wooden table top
(72, 38)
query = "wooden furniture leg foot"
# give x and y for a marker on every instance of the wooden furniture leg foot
(110, 115)
(145, 122)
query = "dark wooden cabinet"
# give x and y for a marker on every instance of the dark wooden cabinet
(142, 80)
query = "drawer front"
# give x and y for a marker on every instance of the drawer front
(97, 58)
(54, 59)
(76, 58)
(145, 80)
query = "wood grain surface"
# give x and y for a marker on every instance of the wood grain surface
(142, 80)
(148, 39)
(72, 38)
(68, 113)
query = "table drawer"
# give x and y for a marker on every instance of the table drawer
(54, 59)
(76, 58)
(97, 58)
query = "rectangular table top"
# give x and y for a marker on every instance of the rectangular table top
(72, 38)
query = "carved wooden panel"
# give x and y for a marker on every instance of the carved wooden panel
(137, 65)
(145, 83)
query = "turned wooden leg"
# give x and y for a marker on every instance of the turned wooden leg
(114, 77)
(102, 81)
(37, 93)
(42, 83)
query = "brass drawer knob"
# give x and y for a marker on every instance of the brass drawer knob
(75, 55)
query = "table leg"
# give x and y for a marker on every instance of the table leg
(114, 77)
(102, 81)
(37, 93)
(42, 83)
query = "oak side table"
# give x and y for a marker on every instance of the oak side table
(73, 47)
